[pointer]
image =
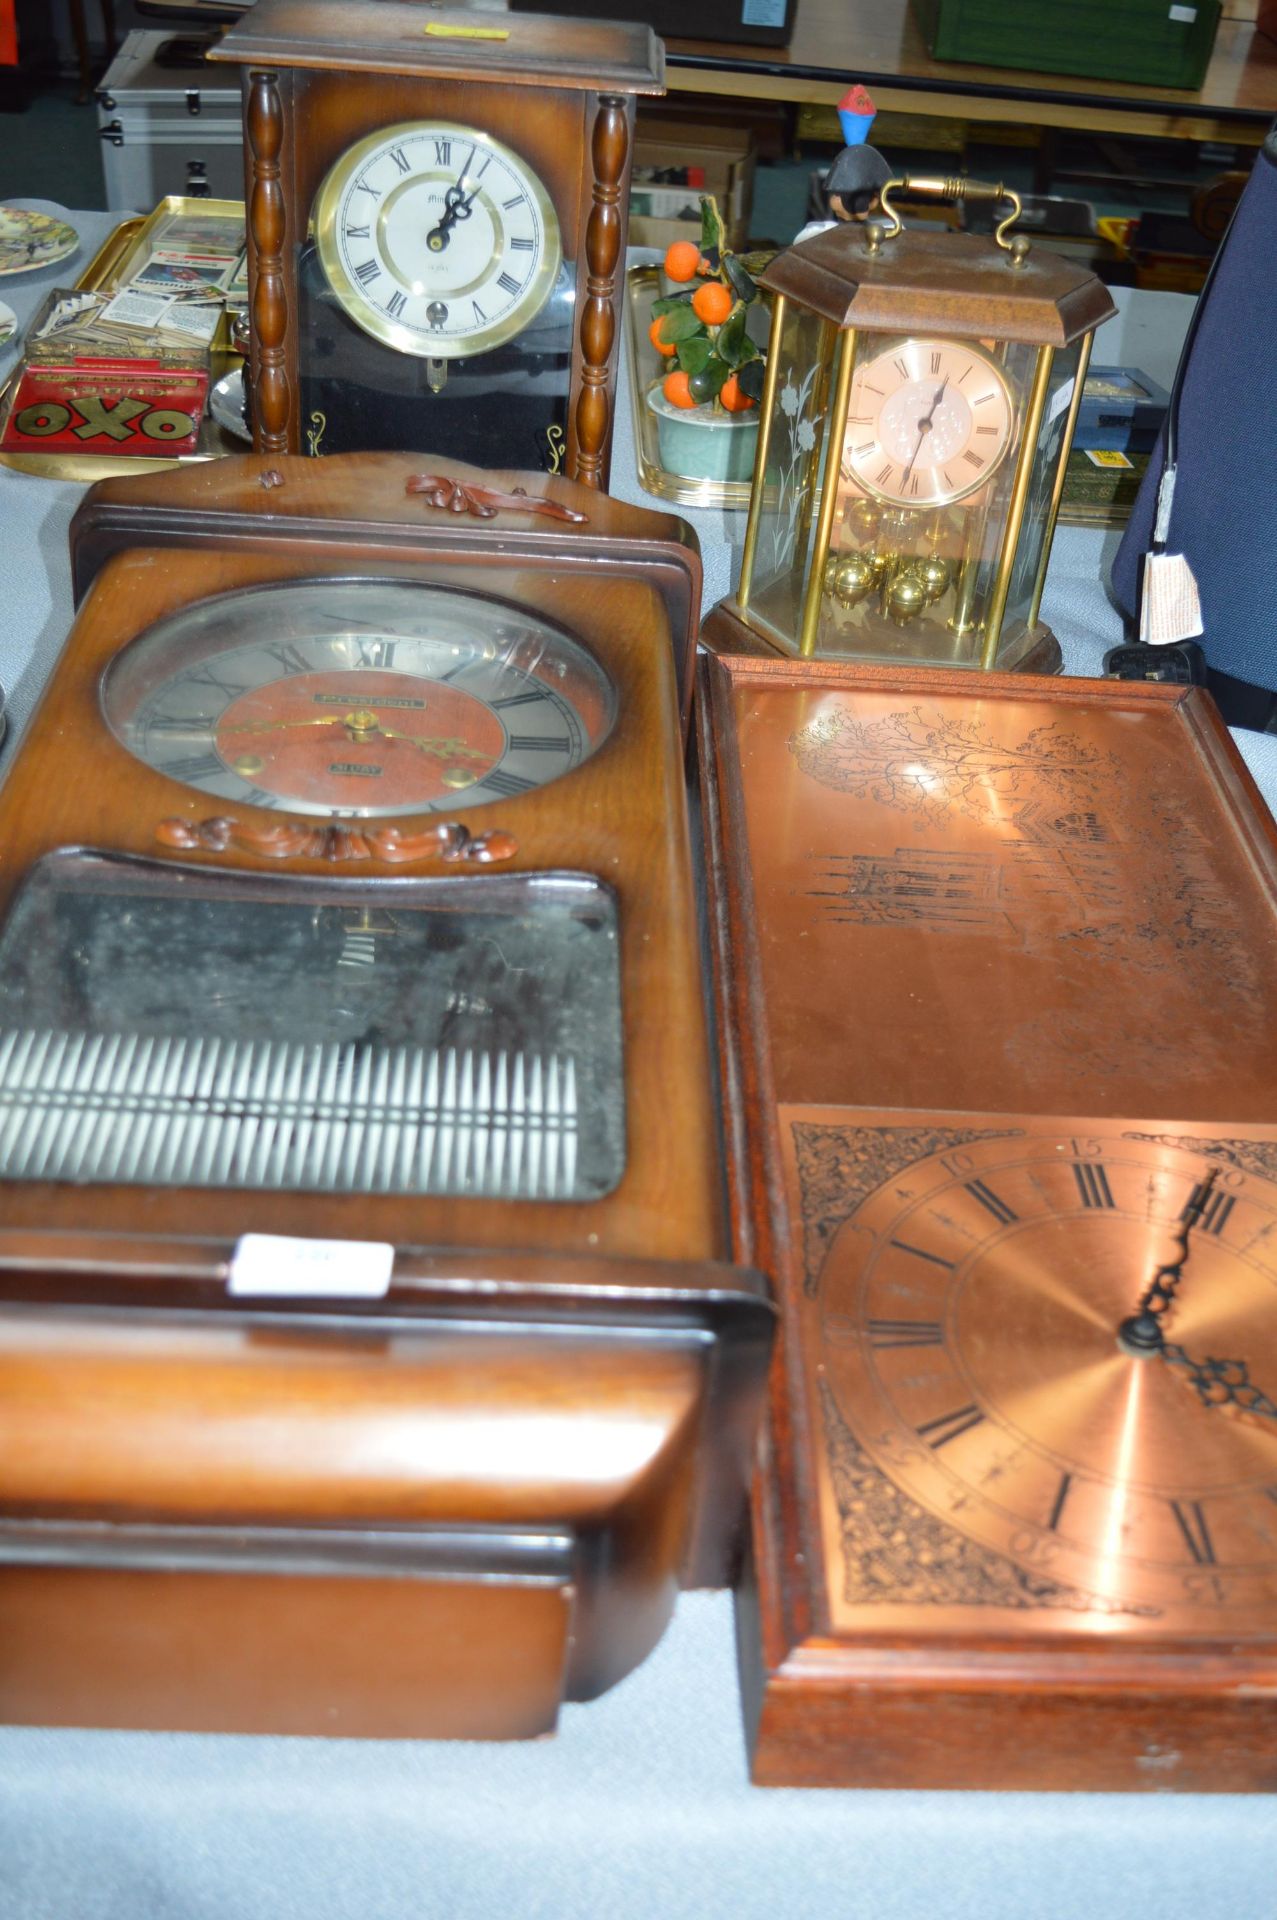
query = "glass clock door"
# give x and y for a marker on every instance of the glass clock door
(457, 1036)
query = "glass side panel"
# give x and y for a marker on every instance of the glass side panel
(451, 1036)
(790, 488)
(1047, 455)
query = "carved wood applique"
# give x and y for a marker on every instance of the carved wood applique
(267, 226)
(484, 503)
(293, 840)
(609, 150)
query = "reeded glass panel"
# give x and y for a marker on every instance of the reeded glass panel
(450, 1036)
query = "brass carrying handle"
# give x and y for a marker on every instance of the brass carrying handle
(935, 187)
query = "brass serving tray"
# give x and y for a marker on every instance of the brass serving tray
(106, 269)
(642, 287)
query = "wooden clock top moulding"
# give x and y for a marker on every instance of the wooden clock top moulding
(399, 36)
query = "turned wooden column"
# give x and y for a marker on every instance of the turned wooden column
(272, 396)
(610, 152)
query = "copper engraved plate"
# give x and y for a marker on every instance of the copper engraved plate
(999, 1007)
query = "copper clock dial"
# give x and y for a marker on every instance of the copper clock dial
(928, 422)
(358, 697)
(973, 1332)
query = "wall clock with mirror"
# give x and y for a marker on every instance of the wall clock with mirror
(437, 213)
(368, 1359)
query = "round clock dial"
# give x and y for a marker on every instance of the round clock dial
(980, 1327)
(358, 697)
(436, 239)
(928, 421)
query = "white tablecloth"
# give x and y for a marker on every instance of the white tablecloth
(639, 1809)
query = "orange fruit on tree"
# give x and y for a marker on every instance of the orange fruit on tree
(654, 335)
(675, 388)
(732, 398)
(712, 303)
(682, 258)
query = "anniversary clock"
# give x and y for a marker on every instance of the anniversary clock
(1006, 1140)
(913, 432)
(368, 1361)
(437, 212)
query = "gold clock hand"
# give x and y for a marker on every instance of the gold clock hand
(280, 726)
(447, 749)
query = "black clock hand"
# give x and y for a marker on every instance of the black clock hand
(1142, 1331)
(456, 206)
(1221, 1383)
(924, 428)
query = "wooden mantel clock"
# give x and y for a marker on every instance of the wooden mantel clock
(999, 1019)
(368, 1362)
(437, 208)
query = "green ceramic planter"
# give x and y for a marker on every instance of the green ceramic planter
(702, 444)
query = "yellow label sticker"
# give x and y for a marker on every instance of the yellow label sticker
(1108, 457)
(444, 32)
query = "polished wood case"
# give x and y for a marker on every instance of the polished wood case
(999, 1041)
(321, 74)
(442, 1511)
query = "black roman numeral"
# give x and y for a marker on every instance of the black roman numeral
(1062, 1494)
(905, 1333)
(376, 653)
(396, 304)
(507, 282)
(290, 658)
(540, 743)
(939, 1432)
(1192, 1524)
(882, 478)
(521, 245)
(196, 766)
(1092, 1184)
(443, 153)
(972, 459)
(920, 1254)
(507, 784)
(359, 233)
(935, 363)
(990, 1201)
(400, 159)
(904, 371)
(510, 205)
(1211, 1214)
(479, 314)
(367, 271)
(258, 797)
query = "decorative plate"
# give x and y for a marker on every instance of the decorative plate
(8, 323)
(31, 240)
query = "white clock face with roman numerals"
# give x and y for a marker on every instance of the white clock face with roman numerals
(437, 239)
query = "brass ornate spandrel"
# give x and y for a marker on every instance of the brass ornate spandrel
(338, 842)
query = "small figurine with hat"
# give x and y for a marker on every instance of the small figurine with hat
(859, 173)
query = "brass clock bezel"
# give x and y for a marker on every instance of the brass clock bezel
(886, 345)
(354, 301)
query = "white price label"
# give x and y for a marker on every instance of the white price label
(274, 1264)
(1183, 16)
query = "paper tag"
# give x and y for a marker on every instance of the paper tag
(763, 13)
(1183, 16)
(1108, 457)
(274, 1264)
(1170, 607)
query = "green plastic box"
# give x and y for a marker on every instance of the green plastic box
(1158, 43)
